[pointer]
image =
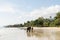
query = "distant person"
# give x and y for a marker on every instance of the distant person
(32, 29)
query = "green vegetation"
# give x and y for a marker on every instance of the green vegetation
(41, 22)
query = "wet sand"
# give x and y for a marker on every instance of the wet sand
(37, 34)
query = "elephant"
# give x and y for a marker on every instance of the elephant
(28, 29)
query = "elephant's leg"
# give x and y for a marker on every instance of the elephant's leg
(29, 30)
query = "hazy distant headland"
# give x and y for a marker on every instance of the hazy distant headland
(41, 22)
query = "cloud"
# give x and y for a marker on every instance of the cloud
(41, 12)
(18, 16)
(45, 11)
(6, 9)
(8, 14)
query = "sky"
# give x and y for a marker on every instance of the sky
(20, 11)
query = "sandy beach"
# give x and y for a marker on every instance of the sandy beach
(38, 34)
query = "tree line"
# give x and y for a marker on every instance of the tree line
(41, 22)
